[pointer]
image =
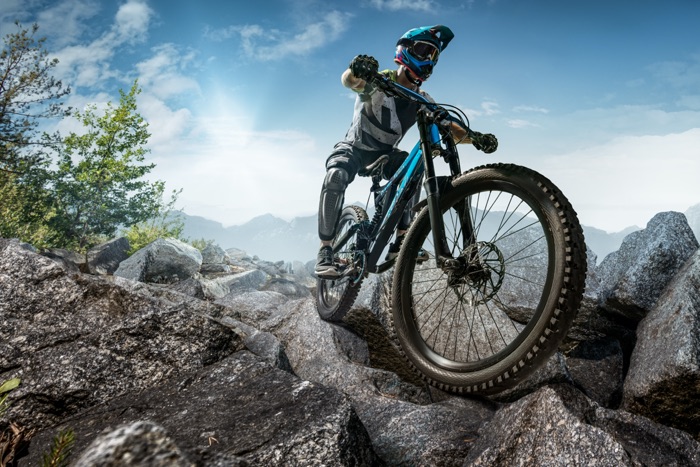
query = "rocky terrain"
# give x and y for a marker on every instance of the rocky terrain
(179, 357)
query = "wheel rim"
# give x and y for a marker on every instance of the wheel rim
(471, 318)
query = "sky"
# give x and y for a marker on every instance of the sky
(244, 100)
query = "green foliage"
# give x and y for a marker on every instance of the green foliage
(5, 388)
(201, 243)
(24, 210)
(99, 184)
(76, 191)
(60, 449)
(168, 224)
(28, 95)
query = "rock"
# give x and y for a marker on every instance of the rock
(633, 278)
(214, 269)
(253, 411)
(215, 261)
(214, 254)
(263, 344)
(162, 261)
(553, 372)
(663, 381)
(139, 443)
(296, 271)
(234, 284)
(192, 287)
(596, 367)
(436, 434)
(387, 405)
(589, 323)
(157, 373)
(106, 257)
(76, 341)
(286, 287)
(70, 261)
(562, 427)
(261, 309)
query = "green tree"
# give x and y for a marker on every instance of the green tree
(99, 184)
(29, 94)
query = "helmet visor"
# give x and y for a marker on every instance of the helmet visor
(424, 51)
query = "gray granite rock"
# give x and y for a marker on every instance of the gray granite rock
(165, 260)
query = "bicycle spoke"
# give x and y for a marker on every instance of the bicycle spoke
(474, 317)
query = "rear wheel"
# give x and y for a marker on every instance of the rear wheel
(501, 309)
(334, 297)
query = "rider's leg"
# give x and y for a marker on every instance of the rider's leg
(331, 202)
(341, 169)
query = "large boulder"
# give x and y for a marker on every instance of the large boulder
(663, 382)
(633, 278)
(215, 260)
(251, 412)
(165, 260)
(106, 257)
(560, 426)
(76, 341)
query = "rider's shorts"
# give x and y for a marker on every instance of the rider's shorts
(352, 159)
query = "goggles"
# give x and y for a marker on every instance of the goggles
(424, 51)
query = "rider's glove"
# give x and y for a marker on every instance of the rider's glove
(364, 67)
(487, 143)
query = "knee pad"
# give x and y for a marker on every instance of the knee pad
(331, 202)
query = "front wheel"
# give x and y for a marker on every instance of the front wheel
(484, 322)
(334, 297)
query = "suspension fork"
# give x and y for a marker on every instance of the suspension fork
(443, 254)
(463, 207)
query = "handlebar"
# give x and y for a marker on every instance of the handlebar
(440, 115)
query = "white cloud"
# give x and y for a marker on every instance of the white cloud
(88, 65)
(629, 179)
(486, 109)
(519, 123)
(168, 127)
(529, 109)
(230, 173)
(132, 20)
(397, 5)
(65, 21)
(273, 44)
(162, 73)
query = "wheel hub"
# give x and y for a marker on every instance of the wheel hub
(481, 267)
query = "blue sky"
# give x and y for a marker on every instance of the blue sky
(244, 99)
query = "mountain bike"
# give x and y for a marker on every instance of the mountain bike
(490, 274)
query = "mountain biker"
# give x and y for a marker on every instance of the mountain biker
(379, 123)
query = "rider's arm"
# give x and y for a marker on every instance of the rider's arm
(351, 81)
(459, 134)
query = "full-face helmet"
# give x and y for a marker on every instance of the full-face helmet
(419, 49)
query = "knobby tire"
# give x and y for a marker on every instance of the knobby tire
(486, 327)
(334, 298)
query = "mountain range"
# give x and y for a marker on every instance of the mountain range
(273, 238)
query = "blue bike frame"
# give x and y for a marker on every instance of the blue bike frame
(395, 195)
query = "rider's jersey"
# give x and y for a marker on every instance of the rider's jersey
(380, 121)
